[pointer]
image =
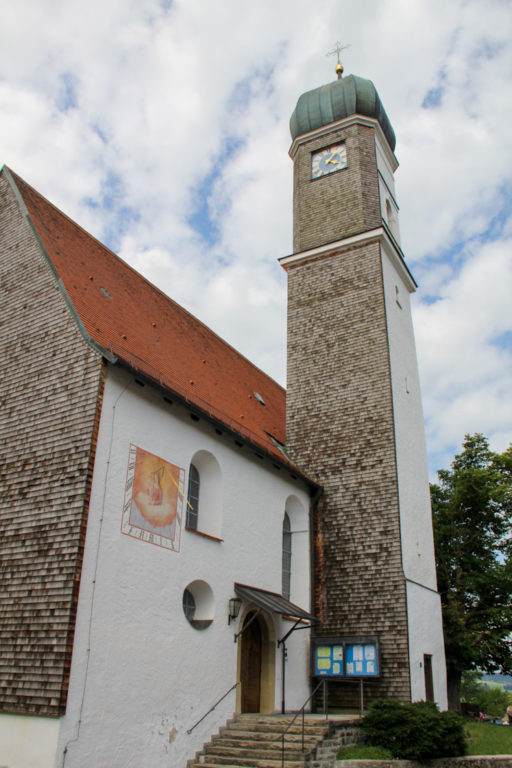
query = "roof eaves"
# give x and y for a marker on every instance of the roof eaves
(237, 434)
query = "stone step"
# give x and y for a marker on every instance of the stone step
(278, 726)
(278, 764)
(215, 762)
(317, 734)
(273, 751)
(254, 741)
(281, 719)
(245, 739)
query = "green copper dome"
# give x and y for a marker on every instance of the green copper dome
(347, 96)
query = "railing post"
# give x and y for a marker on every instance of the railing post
(303, 727)
(282, 750)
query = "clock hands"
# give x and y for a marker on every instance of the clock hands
(328, 160)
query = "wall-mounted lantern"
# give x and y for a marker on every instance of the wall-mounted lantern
(234, 608)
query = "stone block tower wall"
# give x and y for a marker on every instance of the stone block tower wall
(51, 384)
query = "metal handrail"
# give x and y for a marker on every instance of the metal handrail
(213, 707)
(299, 711)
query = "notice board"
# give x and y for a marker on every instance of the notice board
(348, 657)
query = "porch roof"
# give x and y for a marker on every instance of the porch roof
(272, 602)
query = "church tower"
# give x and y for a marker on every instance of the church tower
(354, 414)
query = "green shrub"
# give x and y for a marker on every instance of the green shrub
(414, 731)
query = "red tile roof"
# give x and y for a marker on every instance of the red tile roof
(130, 318)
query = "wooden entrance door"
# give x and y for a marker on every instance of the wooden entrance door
(250, 669)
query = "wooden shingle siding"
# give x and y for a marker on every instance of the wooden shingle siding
(340, 420)
(50, 391)
(340, 426)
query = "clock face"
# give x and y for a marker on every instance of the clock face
(328, 160)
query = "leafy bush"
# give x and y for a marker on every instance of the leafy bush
(416, 731)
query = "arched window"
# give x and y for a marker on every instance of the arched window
(193, 498)
(204, 499)
(391, 219)
(287, 556)
(296, 554)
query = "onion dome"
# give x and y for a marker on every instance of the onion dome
(346, 96)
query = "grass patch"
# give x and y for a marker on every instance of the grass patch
(488, 739)
(362, 752)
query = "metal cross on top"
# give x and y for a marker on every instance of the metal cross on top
(337, 50)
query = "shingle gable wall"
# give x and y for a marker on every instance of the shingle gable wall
(50, 389)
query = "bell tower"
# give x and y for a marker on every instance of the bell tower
(354, 414)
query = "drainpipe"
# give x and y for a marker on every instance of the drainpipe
(315, 498)
(283, 657)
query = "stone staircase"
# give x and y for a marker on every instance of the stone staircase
(254, 741)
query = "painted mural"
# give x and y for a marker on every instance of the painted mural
(154, 499)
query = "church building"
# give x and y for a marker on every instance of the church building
(182, 539)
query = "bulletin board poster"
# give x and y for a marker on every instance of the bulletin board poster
(362, 660)
(329, 660)
(346, 657)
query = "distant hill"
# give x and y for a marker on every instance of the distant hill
(504, 680)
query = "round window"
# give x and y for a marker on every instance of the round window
(198, 604)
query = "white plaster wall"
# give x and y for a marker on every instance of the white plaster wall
(424, 609)
(411, 452)
(297, 664)
(387, 188)
(28, 742)
(384, 166)
(141, 675)
(418, 559)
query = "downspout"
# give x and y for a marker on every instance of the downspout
(315, 498)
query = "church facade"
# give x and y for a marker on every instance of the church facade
(171, 517)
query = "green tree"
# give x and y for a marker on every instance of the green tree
(472, 512)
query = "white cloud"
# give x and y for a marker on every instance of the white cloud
(466, 369)
(120, 112)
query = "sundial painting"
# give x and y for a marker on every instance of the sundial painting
(153, 499)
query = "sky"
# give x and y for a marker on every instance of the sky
(161, 126)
